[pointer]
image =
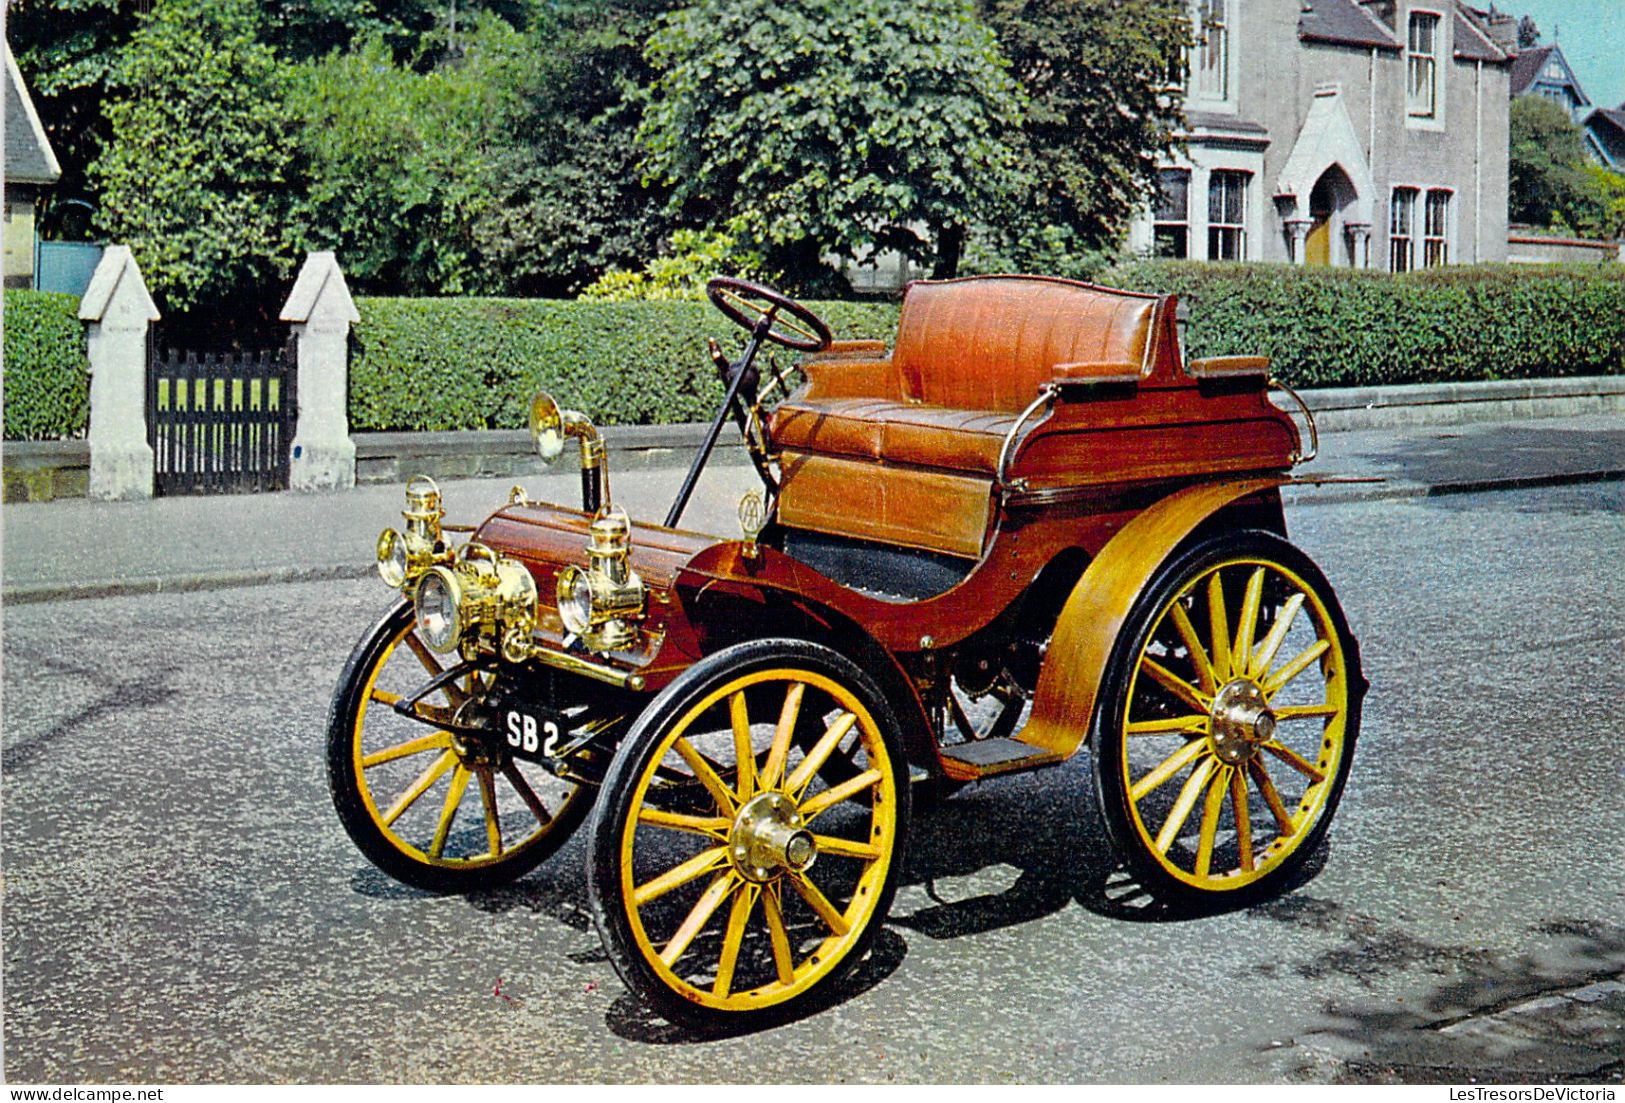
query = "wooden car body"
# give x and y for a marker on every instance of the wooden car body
(1032, 523)
(896, 535)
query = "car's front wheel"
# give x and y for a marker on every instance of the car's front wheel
(733, 876)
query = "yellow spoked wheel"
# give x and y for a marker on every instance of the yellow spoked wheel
(733, 873)
(1224, 735)
(435, 809)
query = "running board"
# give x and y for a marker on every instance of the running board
(986, 757)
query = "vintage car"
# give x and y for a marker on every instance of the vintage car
(1033, 525)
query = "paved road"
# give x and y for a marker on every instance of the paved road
(181, 903)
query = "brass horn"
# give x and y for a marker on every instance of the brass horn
(550, 425)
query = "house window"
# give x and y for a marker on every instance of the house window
(1227, 216)
(1436, 230)
(1422, 65)
(1213, 49)
(1402, 230)
(1172, 233)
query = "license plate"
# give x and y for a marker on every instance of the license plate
(532, 733)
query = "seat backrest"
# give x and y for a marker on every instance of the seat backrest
(989, 342)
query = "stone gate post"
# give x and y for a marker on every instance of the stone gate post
(321, 311)
(117, 311)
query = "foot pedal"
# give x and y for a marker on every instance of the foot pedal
(987, 753)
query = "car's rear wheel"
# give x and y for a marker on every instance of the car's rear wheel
(1227, 721)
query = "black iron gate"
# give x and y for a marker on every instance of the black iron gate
(221, 423)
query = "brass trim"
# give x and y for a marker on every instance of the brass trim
(1314, 432)
(575, 664)
(1046, 395)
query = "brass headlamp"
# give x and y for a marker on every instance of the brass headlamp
(480, 601)
(603, 603)
(405, 557)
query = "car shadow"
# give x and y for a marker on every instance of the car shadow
(1039, 838)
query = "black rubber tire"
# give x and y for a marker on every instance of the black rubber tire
(1107, 735)
(358, 821)
(619, 792)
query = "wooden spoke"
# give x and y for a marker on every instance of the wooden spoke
(773, 769)
(1174, 684)
(1293, 759)
(1265, 655)
(488, 798)
(383, 696)
(803, 773)
(448, 811)
(783, 963)
(1244, 823)
(1189, 725)
(1218, 628)
(680, 875)
(1241, 651)
(526, 793)
(845, 848)
(836, 794)
(432, 665)
(1199, 658)
(707, 777)
(714, 826)
(427, 778)
(430, 742)
(1291, 670)
(819, 903)
(704, 908)
(1182, 807)
(744, 750)
(1261, 778)
(1167, 769)
(1299, 712)
(738, 917)
(1210, 819)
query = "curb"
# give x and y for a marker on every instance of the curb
(1303, 494)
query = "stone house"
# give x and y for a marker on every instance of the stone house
(1338, 132)
(30, 166)
(1544, 71)
(1605, 136)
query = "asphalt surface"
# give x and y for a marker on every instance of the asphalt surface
(181, 903)
(80, 548)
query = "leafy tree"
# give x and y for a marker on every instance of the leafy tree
(1096, 74)
(832, 126)
(566, 199)
(696, 256)
(194, 177)
(1547, 179)
(68, 51)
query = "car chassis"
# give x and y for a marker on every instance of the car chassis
(1032, 526)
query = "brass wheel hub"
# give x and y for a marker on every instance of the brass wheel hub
(768, 838)
(1242, 721)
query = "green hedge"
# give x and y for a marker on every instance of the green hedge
(474, 363)
(47, 378)
(1335, 328)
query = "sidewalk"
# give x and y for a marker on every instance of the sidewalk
(78, 548)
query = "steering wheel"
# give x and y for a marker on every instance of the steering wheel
(745, 304)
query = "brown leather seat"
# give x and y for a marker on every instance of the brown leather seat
(869, 444)
(970, 355)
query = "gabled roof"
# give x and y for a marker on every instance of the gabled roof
(1343, 22)
(1473, 42)
(1608, 116)
(1528, 66)
(29, 157)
